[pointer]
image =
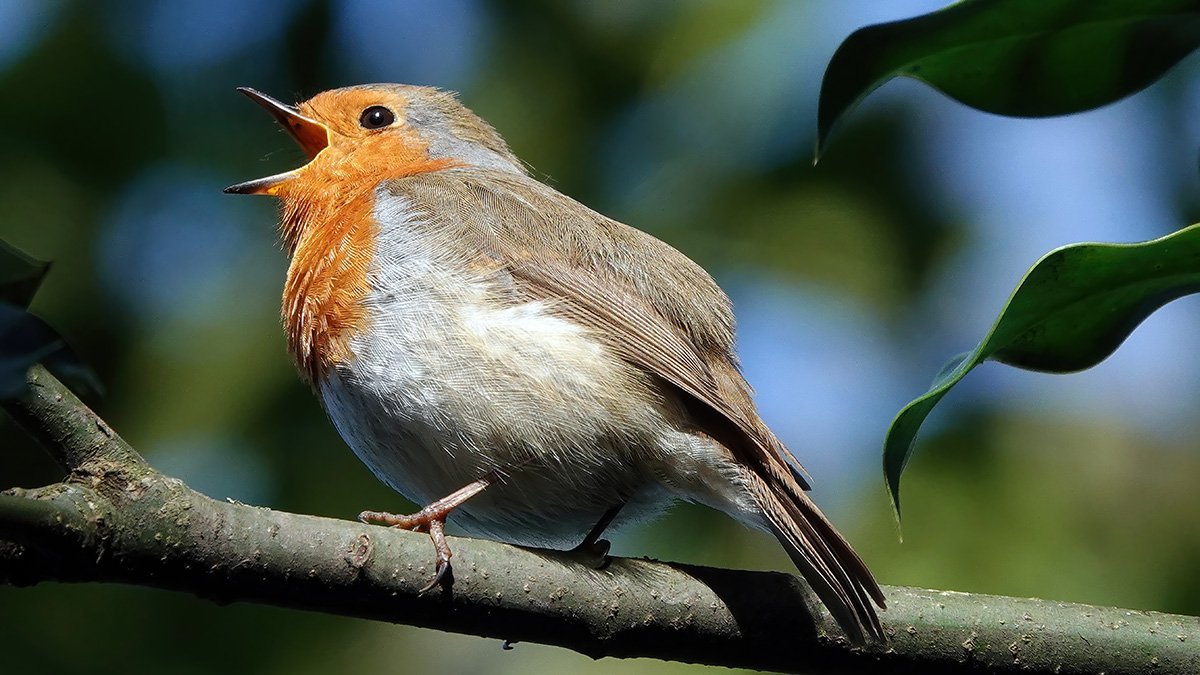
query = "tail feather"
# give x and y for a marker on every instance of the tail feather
(836, 573)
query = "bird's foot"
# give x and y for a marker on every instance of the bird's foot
(417, 522)
(431, 519)
(593, 553)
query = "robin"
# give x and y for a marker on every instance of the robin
(513, 359)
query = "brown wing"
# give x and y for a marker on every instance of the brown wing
(640, 335)
(661, 312)
(653, 305)
(726, 412)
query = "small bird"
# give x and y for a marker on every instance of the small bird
(519, 363)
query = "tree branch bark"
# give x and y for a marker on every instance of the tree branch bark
(115, 519)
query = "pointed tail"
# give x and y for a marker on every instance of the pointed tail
(825, 559)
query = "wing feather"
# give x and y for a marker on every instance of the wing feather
(650, 303)
(660, 311)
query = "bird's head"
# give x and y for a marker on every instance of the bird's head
(366, 134)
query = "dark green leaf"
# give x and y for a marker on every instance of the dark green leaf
(25, 340)
(1025, 58)
(20, 275)
(1070, 312)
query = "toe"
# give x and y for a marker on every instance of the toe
(443, 567)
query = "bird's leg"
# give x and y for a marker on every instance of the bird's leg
(593, 549)
(432, 519)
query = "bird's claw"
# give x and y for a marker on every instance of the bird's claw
(438, 534)
(594, 554)
(429, 519)
(443, 567)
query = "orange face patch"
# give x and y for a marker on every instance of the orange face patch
(340, 109)
(328, 223)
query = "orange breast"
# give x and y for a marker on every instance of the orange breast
(327, 282)
(329, 227)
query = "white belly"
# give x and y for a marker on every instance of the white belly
(448, 385)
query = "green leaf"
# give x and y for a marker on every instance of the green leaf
(1071, 311)
(25, 339)
(20, 275)
(1024, 58)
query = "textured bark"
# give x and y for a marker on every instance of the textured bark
(115, 519)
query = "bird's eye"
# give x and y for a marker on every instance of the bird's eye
(376, 117)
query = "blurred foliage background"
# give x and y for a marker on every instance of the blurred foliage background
(853, 281)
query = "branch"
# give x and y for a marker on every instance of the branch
(115, 519)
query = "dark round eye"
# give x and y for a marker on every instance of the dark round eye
(376, 117)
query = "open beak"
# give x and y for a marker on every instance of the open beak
(311, 135)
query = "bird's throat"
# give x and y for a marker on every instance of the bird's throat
(329, 228)
(330, 236)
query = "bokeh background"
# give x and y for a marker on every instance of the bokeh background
(853, 281)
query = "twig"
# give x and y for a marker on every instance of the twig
(116, 519)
